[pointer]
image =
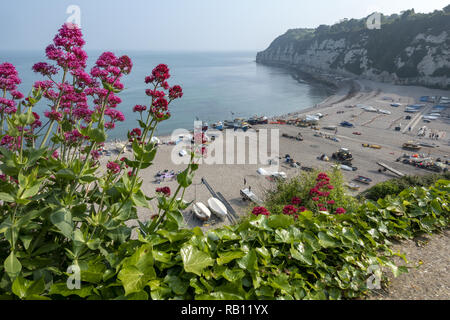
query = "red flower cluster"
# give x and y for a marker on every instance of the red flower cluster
(260, 211)
(8, 83)
(296, 201)
(340, 211)
(113, 167)
(159, 106)
(290, 210)
(134, 134)
(139, 108)
(165, 191)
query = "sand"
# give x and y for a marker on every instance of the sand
(375, 129)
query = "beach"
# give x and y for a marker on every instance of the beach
(375, 129)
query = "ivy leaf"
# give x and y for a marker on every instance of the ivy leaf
(61, 289)
(227, 257)
(280, 221)
(133, 280)
(326, 241)
(249, 262)
(194, 260)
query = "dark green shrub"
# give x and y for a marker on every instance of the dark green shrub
(395, 186)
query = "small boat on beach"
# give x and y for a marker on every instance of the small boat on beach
(201, 211)
(218, 126)
(217, 207)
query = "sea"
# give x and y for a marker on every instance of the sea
(217, 86)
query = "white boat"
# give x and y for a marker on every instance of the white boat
(370, 109)
(384, 111)
(217, 207)
(201, 211)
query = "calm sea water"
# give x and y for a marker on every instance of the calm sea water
(215, 85)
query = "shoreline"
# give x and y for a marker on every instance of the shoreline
(375, 128)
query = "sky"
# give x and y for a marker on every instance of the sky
(182, 25)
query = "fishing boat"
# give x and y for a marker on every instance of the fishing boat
(353, 186)
(201, 211)
(218, 125)
(217, 207)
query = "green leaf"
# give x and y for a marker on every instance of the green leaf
(226, 257)
(249, 262)
(280, 221)
(19, 287)
(98, 135)
(62, 219)
(233, 275)
(326, 241)
(178, 286)
(61, 289)
(303, 254)
(133, 280)
(194, 260)
(6, 197)
(12, 265)
(141, 295)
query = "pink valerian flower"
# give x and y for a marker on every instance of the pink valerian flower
(10, 143)
(113, 167)
(323, 209)
(9, 77)
(330, 187)
(115, 115)
(95, 154)
(125, 64)
(45, 69)
(165, 191)
(161, 104)
(340, 211)
(43, 85)
(37, 123)
(7, 106)
(55, 154)
(302, 209)
(155, 93)
(66, 49)
(139, 108)
(159, 74)
(110, 125)
(316, 199)
(53, 115)
(331, 202)
(109, 69)
(260, 211)
(73, 137)
(82, 78)
(175, 92)
(289, 210)
(16, 95)
(136, 133)
(3, 177)
(296, 201)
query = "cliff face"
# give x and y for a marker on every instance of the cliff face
(408, 49)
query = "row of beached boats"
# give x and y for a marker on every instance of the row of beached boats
(240, 123)
(215, 206)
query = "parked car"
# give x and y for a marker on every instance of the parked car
(347, 124)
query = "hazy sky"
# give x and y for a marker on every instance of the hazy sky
(182, 24)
